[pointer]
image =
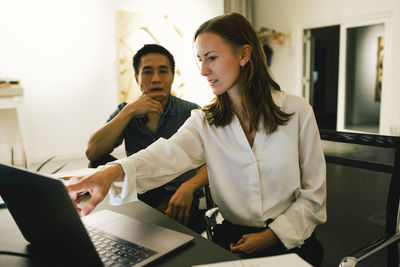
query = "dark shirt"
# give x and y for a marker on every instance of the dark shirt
(137, 136)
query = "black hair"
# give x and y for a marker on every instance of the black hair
(149, 49)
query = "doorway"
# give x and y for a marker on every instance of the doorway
(343, 77)
(322, 49)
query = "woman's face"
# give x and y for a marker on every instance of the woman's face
(219, 64)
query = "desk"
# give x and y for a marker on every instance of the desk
(199, 251)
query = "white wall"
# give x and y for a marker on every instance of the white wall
(295, 16)
(366, 109)
(64, 54)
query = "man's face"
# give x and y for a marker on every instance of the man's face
(155, 76)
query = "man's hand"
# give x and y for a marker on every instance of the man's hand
(97, 185)
(147, 103)
(180, 203)
(251, 243)
(102, 141)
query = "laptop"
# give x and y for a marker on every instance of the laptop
(47, 218)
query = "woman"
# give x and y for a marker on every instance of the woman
(262, 147)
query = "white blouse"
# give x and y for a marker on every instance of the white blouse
(281, 177)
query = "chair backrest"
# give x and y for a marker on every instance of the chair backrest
(102, 161)
(363, 173)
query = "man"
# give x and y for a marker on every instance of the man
(156, 113)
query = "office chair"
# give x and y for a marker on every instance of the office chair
(102, 161)
(210, 215)
(362, 193)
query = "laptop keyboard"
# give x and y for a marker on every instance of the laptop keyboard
(117, 252)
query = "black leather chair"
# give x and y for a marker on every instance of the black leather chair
(363, 172)
(102, 161)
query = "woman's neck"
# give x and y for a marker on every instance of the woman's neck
(236, 100)
(240, 113)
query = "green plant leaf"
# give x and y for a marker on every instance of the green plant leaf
(62, 166)
(44, 163)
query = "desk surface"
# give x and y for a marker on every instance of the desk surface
(199, 251)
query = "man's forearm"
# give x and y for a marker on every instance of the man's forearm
(102, 142)
(199, 180)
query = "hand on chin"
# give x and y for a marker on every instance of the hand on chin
(157, 94)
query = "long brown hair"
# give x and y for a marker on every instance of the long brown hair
(255, 80)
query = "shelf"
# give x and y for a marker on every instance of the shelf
(11, 91)
(11, 104)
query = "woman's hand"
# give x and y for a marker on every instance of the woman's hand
(96, 184)
(251, 243)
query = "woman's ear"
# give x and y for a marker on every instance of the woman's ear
(245, 53)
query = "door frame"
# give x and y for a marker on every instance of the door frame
(371, 19)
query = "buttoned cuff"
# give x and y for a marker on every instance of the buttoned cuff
(284, 230)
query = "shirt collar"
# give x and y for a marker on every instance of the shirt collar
(170, 108)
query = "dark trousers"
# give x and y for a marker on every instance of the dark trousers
(226, 233)
(159, 198)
